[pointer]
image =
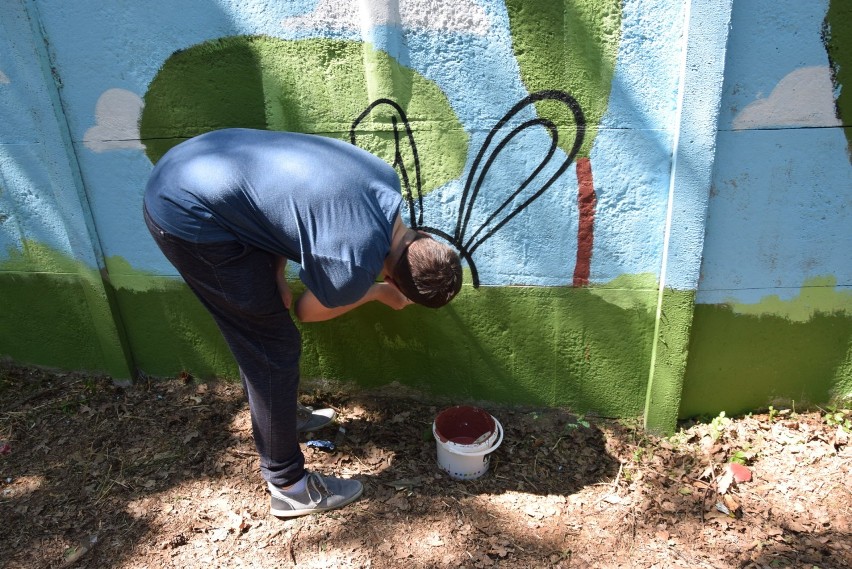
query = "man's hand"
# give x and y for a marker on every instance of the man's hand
(281, 280)
(388, 294)
(309, 309)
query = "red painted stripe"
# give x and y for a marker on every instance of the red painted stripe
(586, 202)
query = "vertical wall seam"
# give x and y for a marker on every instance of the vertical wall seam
(53, 85)
(706, 25)
(667, 232)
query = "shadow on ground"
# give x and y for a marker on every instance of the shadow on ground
(87, 459)
(164, 474)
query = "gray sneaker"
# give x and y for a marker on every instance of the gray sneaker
(309, 419)
(321, 493)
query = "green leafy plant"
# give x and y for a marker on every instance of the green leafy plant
(90, 386)
(773, 414)
(719, 425)
(740, 457)
(580, 421)
(835, 417)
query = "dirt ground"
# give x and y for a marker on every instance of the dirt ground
(164, 474)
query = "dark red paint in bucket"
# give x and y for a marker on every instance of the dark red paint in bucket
(464, 425)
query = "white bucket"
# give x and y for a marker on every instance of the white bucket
(467, 461)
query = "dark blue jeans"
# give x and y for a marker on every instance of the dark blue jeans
(236, 283)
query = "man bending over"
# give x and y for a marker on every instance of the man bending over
(229, 208)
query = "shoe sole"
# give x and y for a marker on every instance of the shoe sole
(306, 511)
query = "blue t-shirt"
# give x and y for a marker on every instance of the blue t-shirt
(323, 203)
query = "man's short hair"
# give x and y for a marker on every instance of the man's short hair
(428, 272)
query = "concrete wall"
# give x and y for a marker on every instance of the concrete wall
(772, 318)
(655, 138)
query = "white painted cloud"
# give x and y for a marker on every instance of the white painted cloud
(3, 79)
(116, 122)
(805, 97)
(441, 15)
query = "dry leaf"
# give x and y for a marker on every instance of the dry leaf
(399, 502)
(841, 437)
(734, 508)
(74, 553)
(707, 473)
(400, 417)
(725, 481)
(406, 483)
(237, 522)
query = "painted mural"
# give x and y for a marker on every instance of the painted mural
(772, 318)
(289, 84)
(536, 136)
(837, 37)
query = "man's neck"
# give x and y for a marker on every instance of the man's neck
(400, 238)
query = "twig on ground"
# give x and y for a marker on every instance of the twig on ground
(291, 549)
(613, 484)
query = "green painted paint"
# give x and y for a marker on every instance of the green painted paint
(740, 362)
(60, 315)
(668, 359)
(746, 356)
(571, 46)
(630, 292)
(552, 346)
(48, 322)
(837, 32)
(315, 85)
(33, 257)
(123, 275)
(169, 331)
(819, 294)
(586, 348)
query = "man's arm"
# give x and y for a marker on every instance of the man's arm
(310, 309)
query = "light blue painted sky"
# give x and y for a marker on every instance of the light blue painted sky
(781, 208)
(101, 48)
(98, 50)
